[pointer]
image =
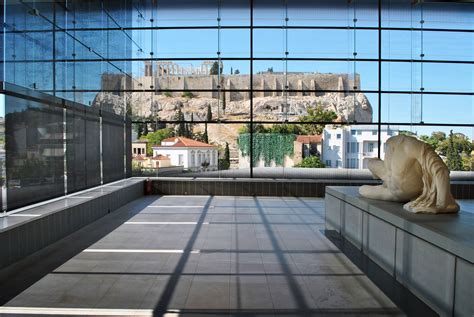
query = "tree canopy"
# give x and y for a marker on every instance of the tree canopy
(215, 69)
(315, 115)
(155, 138)
(456, 148)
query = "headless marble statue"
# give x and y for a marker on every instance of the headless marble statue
(412, 172)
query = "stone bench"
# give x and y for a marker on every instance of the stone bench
(33, 228)
(431, 255)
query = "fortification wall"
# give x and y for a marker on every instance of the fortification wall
(266, 81)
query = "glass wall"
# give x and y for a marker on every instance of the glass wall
(60, 134)
(228, 88)
(54, 147)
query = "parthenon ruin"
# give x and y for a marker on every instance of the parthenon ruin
(168, 68)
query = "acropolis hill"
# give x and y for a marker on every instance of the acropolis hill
(266, 105)
(168, 75)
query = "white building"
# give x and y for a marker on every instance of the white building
(191, 154)
(353, 146)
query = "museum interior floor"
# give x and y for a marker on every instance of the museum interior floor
(203, 256)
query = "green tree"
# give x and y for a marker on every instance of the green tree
(187, 132)
(190, 127)
(215, 69)
(453, 157)
(312, 161)
(257, 128)
(139, 130)
(227, 154)
(155, 138)
(223, 103)
(179, 116)
(405, 132)
(205, 137)
(270, 70)
(315, 115)
(430, 140)
(466, 162)
(286, 128)
(237, 72)
(461, 144)
(438, 135)
(224, 163)
(145, 129)
(209, 113)
(435, 139)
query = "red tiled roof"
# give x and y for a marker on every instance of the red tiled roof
(306, 139)
(139, 158)
(184, 142)
(160, 157)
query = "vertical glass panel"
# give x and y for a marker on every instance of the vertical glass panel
(112, 147)
(430, 76)
(76, 148)
(34, 151)
(92, 146)
(3, 172)
(128, 147)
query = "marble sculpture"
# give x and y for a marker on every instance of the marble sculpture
(412, 173)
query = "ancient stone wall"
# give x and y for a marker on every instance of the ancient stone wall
(267, 81)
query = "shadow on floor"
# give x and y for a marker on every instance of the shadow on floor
(18, 277)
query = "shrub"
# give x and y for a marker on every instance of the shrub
(312, 161)
(187, 94)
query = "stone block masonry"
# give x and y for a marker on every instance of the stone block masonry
(264, 81)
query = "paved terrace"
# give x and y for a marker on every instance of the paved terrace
(193, 256)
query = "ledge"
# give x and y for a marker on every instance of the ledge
(452, 232)
(431, 255)
(29, 229)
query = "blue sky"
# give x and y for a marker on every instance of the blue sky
(303, 43)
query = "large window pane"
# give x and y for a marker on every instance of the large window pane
(34, 151)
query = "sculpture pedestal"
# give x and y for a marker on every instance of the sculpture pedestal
(432, 255)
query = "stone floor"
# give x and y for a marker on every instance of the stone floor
(193, 256)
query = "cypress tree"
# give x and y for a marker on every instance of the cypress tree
(453, 159)
(139, 130)
(182, 126)
(209, 113)
(227, 155)
(205, 137)
(223, 102)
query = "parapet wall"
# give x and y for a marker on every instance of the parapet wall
(267, 81)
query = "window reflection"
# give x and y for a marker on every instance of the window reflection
(188, 70)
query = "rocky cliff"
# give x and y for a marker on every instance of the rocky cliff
(144, 105)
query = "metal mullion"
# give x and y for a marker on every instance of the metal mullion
(251, 88)
(323, 59)
(454, 93)
(318, 122)
(315, 27)
(379, 93)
